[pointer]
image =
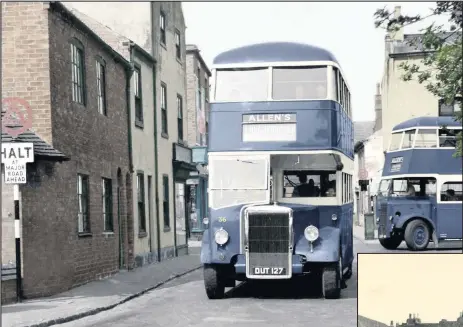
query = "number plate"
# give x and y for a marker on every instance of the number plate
(269, 271)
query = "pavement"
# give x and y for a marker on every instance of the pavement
(98, 296)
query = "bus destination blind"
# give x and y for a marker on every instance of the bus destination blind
(269, 127)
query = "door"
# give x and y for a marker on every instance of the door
(180, 215)
(121, 234)
(449, 211)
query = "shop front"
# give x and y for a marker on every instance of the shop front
(182, 167)
(198, 185)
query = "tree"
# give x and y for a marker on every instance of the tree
(442, 65)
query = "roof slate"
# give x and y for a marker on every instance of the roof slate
(41, 148)
(363, 130)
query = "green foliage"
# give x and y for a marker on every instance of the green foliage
(442, 66)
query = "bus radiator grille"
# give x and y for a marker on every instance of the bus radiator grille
(269, 241)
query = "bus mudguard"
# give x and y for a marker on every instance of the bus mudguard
(399, 222)
(325, 248)
(206, 251)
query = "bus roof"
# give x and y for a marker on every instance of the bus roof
(427, 121)
(274, 52)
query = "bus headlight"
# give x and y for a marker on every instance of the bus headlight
(334, 217)
(221, 236)
(311, 233)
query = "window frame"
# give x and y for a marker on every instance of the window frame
(417, 133)
(441, 192)
(141, 202)
(83, 224)
(164, 116)
(166, 202)
(299, 68)
(101, 86)
(178, 45)
(138, 96)
(180, 122)
(455, 130)
(78, 72)
(107, 204)
(458, 99)
(162, 28)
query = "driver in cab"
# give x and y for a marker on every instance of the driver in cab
(305, 189)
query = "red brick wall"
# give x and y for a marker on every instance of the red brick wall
(55, 257)
(25, 65)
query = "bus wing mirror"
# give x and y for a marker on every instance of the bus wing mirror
(339, 164)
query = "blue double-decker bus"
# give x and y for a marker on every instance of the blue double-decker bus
(280, 156)
(420, 194)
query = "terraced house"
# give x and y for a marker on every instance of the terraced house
(159, 28)
(76, 214)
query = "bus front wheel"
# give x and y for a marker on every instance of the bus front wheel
(417, 235)
(332, 280)
(214, 281)
(391, 243)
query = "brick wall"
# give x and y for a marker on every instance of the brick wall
(25, 65)
(55, 256)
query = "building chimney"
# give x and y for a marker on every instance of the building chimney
(399, 34)
(392, 323)
(378, 109)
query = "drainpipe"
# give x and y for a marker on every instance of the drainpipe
(156, 172)
(129, 73)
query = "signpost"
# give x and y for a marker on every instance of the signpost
(363, 174)
(15, 156)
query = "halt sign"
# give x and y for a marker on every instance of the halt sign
(14, 157)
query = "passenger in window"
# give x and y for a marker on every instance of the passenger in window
(410, 190)
(331, 192)
(450, 195)
(304, 189)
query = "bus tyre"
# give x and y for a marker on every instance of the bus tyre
(214, 282)
(417, 235)
(390, 243)
(331, 281)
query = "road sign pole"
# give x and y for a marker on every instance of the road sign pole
(17, 233)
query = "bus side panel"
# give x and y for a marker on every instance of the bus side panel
(347, 233)
(450, 221)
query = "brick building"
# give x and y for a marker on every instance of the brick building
(159, 28)
(77, 218)
(198, 75)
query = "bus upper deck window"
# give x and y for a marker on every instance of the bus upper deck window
(447, 138)
(299, 83)
(409, 137)
(242, 85)
(396, 139)
(426, 138)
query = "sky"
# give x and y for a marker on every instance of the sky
(345, 28)
(390, 286)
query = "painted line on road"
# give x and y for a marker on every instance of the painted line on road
(92, 312)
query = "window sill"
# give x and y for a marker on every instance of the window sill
(166, 229)
(142, 234)
(84, 234)
(165, 135)
(163, 45)
(108, 234)
(139, 124)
